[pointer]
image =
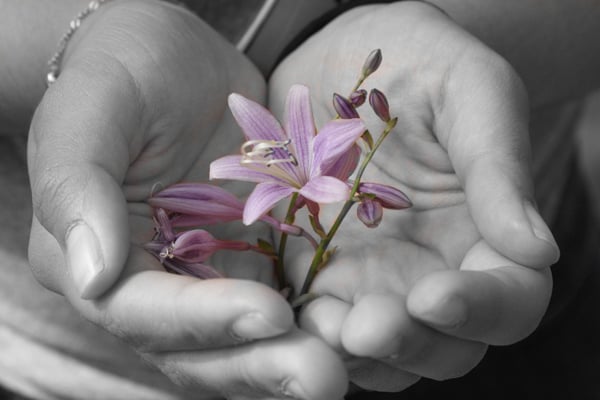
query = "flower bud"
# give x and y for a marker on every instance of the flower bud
(344, 107)
(194, 246)
(372, 62)
(358, 97)
(387, 196)
(380, 105)
(370, 212)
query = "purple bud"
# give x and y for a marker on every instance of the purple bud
(387, 196)
(344, 107)
(358, 97)
(380, 105)
(372, 62)
(194, 246)
(370, 212)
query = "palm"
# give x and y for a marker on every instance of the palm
(446, 277)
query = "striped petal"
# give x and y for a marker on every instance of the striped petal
(300, 125)
(201, 271)
(345, 165)
(333, 140)
(200, 191)
(197, 207)
(325, 189)
(187, 221)
(255, 120)
(263, 198)
(388, 196)
(229, 167)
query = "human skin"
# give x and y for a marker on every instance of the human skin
(426, 292)
(140, 102)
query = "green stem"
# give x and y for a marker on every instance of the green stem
(324, 243)
(279, 265)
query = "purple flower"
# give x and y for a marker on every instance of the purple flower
(197, 245)
(185, 253)
(294, 160)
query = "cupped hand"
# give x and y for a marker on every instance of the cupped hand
(141, 104)
(426, 292)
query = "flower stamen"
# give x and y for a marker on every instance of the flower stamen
(167, 252)
(262, 152)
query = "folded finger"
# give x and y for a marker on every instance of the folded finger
(499, 306)
(380, 327)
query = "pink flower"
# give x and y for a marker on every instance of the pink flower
(296, 159)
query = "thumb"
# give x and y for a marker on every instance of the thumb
(77, 158)
(488, 144)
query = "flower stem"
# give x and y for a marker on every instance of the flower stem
(317, 260)
(279, 265)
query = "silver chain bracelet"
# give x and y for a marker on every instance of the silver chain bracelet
(54, 62)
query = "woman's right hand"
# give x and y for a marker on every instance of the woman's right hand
(141, 102)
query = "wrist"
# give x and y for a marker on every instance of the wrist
(29, 37)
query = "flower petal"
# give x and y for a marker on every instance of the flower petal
(194, 246)
(333, 140)
(325, 189)
(345, 165)
(197, 207)
(201, 271)
(370, 213)
(263, 198)
(388, 196)
(255, 120)
(300, 125)
(229, 167)
(187, 221)
(200, 191)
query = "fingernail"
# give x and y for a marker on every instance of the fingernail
(255, 326)
(293, 390)
(448, 313)
(85, 258)
(539, 228)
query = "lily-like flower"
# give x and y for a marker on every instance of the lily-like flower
(291, 160)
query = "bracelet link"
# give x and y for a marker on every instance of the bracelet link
(55, 60)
